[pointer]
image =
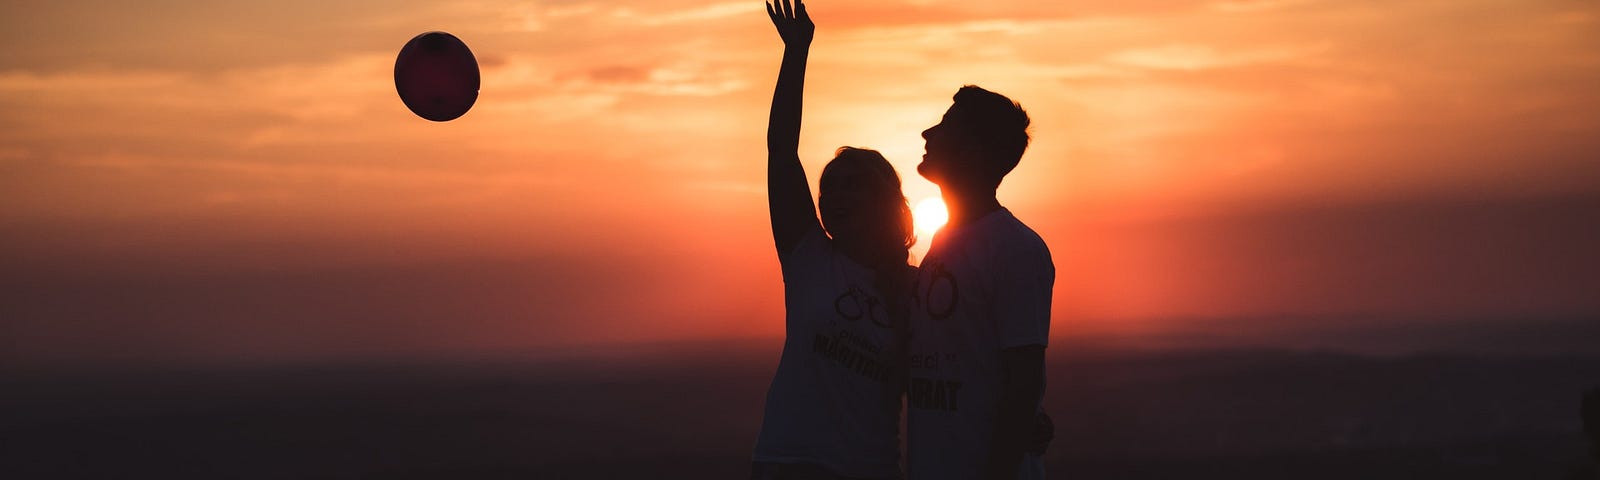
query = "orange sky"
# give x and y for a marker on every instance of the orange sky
(188, 179)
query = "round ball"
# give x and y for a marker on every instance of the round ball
(436, 76)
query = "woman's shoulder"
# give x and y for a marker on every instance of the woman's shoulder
(802, 261)
(812, 243)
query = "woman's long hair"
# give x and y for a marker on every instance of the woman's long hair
(899, 227)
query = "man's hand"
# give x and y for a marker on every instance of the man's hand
(1016, 419)
(794, 25)
(1044, 430)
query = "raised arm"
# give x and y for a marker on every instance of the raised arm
(788, 194)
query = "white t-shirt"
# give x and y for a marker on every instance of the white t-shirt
(982, 288)
(835, 400)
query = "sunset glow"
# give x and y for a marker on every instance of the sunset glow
(198, 179)
(929, 214)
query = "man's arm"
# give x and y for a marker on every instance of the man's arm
(1024, 283)
(1021, 384)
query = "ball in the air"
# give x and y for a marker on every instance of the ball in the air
(436, 76)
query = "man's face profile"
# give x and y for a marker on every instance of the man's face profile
(943, 145)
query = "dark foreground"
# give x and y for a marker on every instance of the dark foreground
(682, 412)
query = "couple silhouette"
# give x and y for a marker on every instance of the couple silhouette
(958, 340)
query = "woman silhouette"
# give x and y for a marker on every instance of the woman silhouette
(833, 409)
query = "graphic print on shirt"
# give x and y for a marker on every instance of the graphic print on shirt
(942, 294)
(855, 303)
(856, 352)
(937, 293)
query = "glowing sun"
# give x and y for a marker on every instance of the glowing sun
(929, 215)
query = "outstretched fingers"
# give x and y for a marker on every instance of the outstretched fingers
(787, 9)
(791, 20)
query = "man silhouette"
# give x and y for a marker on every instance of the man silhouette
(981, 317)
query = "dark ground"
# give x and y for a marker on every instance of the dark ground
(680, 413)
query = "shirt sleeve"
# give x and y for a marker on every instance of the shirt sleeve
(808, 253)
(1023, 287)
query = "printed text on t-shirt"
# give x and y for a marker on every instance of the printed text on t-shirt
(931, 394)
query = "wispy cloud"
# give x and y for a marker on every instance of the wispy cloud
(1198, 57)
(24, 83)
(538, 17)
(697, 14)
(1249, 6)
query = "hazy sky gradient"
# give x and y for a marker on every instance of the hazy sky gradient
(201, 180)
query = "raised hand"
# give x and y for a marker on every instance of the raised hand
(788, 195)
(794, 25)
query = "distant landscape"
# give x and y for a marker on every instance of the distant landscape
(692, 410)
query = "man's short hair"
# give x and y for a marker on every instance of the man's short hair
(999, 125)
